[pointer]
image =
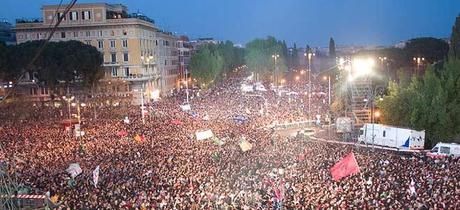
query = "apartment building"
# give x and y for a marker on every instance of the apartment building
(138, 57)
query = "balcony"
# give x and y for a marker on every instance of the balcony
(140, 77)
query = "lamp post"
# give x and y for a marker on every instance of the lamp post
(146, 61)
(275, 76)
(328, 78)
(309, 56)
(418, 61)
(68, 100)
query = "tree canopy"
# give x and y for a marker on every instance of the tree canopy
(59, 61)
(259, 56)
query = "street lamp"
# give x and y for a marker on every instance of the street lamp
(146, 60)
(309, 56)
(68, 100)
(297, 78)
(328, 78)
(275, 76)
(418, 61)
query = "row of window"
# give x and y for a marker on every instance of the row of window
(126, 72)
(100, 43)
(74, 15)
(35, 91)
(113, 57)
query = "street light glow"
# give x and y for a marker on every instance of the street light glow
(363, 67)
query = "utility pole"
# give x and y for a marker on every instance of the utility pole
(275, 75)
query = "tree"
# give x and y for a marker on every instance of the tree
(259, 59)
(206, 64)
(454, 51)
(295, 57)
(432, 49)
(332, 48)
(59, 61)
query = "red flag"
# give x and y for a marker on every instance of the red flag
(122, 133)
(176, 122)
(345, 167)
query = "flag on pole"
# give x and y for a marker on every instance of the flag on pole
(345, 167)
(96, 176)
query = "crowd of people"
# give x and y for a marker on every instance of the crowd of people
(169, 169)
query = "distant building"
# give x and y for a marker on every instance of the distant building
(137, 55)
(6, 33)
(185, 49)
(203, 41)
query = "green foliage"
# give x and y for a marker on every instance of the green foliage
(206, 64)
(59, 61)
(211, 61)
(259, 56)
(454, 51)
(431, 49)
(431, 104)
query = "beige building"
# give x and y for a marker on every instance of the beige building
(137, 55)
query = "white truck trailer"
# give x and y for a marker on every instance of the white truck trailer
(389, 136)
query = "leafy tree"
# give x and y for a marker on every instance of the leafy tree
(259, 56)
(332, 48)
(432, 49)
(206, 64)
(59, 61)
(455, 39)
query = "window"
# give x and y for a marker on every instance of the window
(125, 57)
(100, 33)
(60, 14)
(114, 72)
(100, 44)
(88, 42)
(156, 42)
(445, 150)
(127, 71)
(73, 16)
(434, 150)
(88, 33)
(86, 15)
(384, 133)
(112, 43)
(166, 62)
(63, 35)
(75, 34)
(33, 91)
(44, 91)
(112, 33)
(114, 57)
(125, 43)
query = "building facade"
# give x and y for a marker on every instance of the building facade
(185, 53)
(139, 59)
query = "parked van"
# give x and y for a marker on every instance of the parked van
(444, 150)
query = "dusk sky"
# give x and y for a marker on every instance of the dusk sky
(374, 22)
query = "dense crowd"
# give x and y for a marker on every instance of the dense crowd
(170, 169)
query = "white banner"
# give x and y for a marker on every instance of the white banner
(96, 176)
(185, 107)
(202, 135)
(74, 170)
(245, 145)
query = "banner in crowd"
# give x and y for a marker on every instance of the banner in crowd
(247, 88)
(217, 141)
(245, 145)
(176, 122)
(202, 135)
(122, 134)
(139, 138)
(345, 167)
(74, 170)
(185, 107)
(126, 120)
(96, 176)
